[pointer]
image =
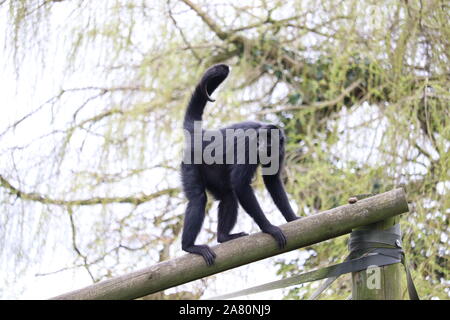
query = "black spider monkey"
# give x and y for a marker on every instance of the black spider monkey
(228, 183)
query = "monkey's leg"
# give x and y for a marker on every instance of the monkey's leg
(193, 221)
(228, 210)
(275, 187)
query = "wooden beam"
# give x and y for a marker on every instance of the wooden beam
(300, 233)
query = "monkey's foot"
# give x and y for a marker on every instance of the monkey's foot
(203, 251)
(227, 237)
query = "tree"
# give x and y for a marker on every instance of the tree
(360, 88)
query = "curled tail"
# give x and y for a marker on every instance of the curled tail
(212, 78)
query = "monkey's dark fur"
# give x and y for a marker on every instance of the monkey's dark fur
(228, 183)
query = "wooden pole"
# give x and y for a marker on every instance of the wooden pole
(380, 283)
(300, 233)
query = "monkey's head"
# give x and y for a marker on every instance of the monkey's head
(271, 139)
(212, 78)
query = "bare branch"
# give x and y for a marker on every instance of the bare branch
(74, 244)
(183, 36)
(319, 105)
(267, 21)
(206, 19)
(136, 200)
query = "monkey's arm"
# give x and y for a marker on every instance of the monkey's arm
(275, 187)
(250, 204)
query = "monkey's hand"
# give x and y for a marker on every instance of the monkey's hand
(293, 218)
(276, 232)
(204, 251)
